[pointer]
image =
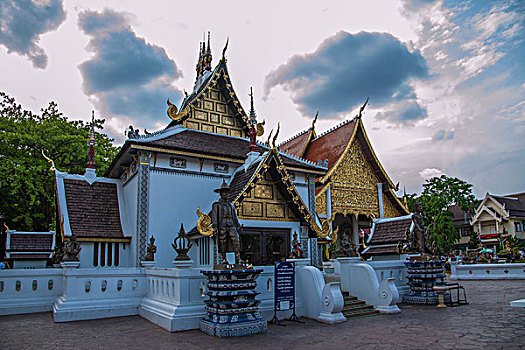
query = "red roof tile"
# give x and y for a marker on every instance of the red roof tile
(93, 209)
(296, 144)
(330, 145)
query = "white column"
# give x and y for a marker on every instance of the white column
(380, 199)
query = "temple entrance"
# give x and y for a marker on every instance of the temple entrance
(349, 235)
(264, 246)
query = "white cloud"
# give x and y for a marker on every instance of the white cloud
(429, 173)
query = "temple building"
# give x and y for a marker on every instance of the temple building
(162, 180)
(355, 188)
(500, 217)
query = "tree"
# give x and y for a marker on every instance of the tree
(438, 194)
(27, 192)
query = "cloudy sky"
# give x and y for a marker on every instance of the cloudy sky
(446, 79)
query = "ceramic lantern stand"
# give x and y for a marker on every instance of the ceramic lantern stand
(232, 309)
(422, 277)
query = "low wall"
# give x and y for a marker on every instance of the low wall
(395, 269)
(28, 291)
(487, 271)
(99, 293)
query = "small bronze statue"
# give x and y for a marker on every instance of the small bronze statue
(226, 226)
(58, 254)
(151, 250)
(71, 249)
(297, 252)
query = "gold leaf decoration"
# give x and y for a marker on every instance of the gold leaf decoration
(204, 224)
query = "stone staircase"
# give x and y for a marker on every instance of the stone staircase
(354, 307)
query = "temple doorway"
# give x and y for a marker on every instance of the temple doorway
(264, 246)
(348, 236)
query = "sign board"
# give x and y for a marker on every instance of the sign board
(284, 286)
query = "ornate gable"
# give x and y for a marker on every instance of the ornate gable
(354, 177)
(214, 107)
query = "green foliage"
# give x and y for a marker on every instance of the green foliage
(473, 243)
(27, 189)
(438, 194)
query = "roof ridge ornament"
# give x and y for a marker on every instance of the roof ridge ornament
(223, 59)
(362, 108)
(91, 143)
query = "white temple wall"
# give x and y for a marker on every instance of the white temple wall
(130, 191)
(174, 198)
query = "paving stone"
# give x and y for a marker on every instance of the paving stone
(488, 322)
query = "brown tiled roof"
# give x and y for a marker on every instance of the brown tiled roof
(214, 144)
(330, 145)
(514, 206)
(93, 209)
(390, 231)
(31, 242)
(459, 217)
(240, 180)
(295, 145)
(379, 250)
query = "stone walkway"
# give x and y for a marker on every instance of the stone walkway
(488, 322)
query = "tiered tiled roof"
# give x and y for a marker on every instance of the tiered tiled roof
(386, 234)
(204, 143)
(391, 231)
(296, 144)
(93, 210)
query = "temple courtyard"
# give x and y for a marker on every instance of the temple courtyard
(487, 322)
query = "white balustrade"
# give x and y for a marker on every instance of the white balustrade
(28, 291)
(487, 271)
(99, 293)
(394, 269)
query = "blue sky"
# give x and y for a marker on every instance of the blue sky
(446, 79)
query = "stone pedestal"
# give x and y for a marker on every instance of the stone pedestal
(441, 290)
(422, 277)
(70, 264)
(182, 264)
(145, 263)
(232, 309)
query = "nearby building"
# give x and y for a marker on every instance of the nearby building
(462, 225)
(500, 217)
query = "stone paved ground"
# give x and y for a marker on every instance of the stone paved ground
(488, 322)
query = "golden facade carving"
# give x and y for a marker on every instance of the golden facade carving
(265, 202)
(214, 115)
(354, 187)
(320, 203)
(389, 210)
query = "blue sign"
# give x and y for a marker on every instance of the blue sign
(284, 286)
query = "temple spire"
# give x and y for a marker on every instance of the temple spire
(252, 133)
(207, 56)
(91, 143)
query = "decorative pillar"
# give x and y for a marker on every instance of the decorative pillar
(380, 199)
(329, 201)
(314, 250)
(143, 207)
(355, 229)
